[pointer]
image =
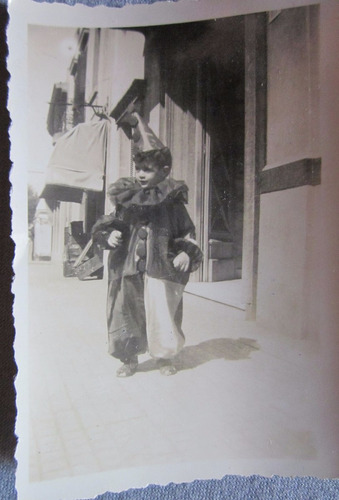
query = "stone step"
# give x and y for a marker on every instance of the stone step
(221, 269)
(220, 249)
(228, 293)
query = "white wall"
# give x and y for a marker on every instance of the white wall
(282, 244)
(323, 279)
(117, 57)
(121, 61)
(125, 50)
(292, 118)
(298, 286)
(287, 217)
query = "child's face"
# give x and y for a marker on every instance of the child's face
(148, 174)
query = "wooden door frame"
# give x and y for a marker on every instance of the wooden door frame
(254, 157)
(255, 150)
(206, 205)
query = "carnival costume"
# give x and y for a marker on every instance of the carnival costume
(144, 306)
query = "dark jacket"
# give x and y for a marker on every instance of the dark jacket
(155, 227)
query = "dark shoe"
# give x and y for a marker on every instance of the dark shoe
(166, 367)
(128, 368)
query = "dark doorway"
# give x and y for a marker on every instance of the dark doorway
(196, 72)
(223, 94)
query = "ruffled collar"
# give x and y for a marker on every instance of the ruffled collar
(128, 192)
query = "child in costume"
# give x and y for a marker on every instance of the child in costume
(152, 252)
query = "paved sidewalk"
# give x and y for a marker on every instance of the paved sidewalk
(239, 394)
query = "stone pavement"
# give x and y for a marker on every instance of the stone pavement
(240, 393)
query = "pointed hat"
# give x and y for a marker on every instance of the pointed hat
(144, 139)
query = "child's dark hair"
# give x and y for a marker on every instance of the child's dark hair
(160, 157)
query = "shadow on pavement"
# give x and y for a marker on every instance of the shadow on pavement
(195, 355)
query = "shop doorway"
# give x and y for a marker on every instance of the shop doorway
(222, 91)
(201, 92)
(206, 90)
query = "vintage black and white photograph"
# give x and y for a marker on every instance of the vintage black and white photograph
(179, 220)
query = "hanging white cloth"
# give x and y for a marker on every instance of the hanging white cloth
(78, 160)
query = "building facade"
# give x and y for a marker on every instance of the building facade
(238, 102)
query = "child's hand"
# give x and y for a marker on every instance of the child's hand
(115, 239)
(182, 262)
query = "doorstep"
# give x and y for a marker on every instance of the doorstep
(225, 292)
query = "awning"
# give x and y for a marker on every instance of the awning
(77, 163)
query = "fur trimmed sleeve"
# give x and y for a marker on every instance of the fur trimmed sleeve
(103, 228)
(185, 238)
(192, 249)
